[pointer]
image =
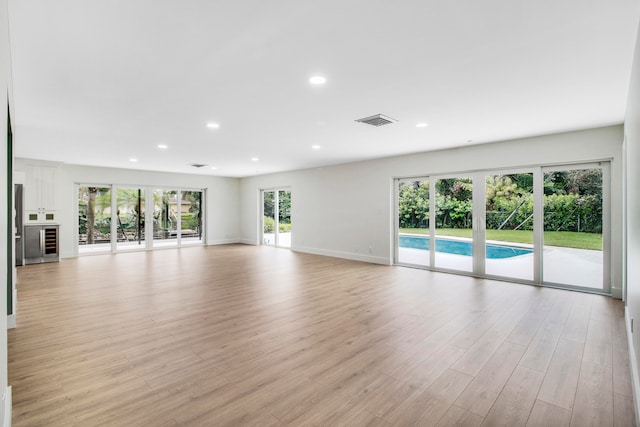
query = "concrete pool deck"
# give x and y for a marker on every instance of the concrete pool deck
(567, 266)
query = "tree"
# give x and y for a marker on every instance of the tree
(413, 204)
(500, 187)
(268, 204)
(459, 188)
(454, 202)
(192, 220)
(284, 207)
(91, 214)
(131, 202)
(584, 182)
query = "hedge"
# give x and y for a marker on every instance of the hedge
(562, 212)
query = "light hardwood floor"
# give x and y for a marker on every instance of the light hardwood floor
(244, 335)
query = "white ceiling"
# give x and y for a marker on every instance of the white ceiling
(99, 82)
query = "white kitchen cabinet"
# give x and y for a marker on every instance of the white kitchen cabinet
(40, 194)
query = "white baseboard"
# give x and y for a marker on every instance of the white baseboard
(68, 254)
(335, 254)
(11, 321)
(223, 242)
(633, 362)
(6, 421)
(248, 242)
(616, 292)
(344, 255)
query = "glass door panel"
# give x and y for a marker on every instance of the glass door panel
(284, 219)
(165, 218)
(130, 205)
(547, 225)
(413, 222)
(454, 223)
(94, 219)
(191, 217)
(573, 226)
(269, 218)
(509, 226)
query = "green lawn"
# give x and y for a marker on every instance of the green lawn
(567, 239)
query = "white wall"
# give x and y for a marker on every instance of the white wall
(221, 204)
(322, 198)
(5, 88)
(632, 177)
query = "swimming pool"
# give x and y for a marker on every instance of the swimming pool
(461, 247)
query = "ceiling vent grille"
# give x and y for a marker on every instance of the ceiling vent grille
(197, 165)
(377, 120)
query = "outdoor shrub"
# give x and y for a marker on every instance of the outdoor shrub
(570, 212)
(572, 202)
(453, 213)
(284, 228)
(268, 224)
(190, 222)
(103, 223)
(501, 214)
(414, 205)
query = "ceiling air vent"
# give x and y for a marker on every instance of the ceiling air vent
(377, 120)
(197, 165)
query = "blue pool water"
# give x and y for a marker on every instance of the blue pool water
(461, 247)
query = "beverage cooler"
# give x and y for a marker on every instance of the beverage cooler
(41, 243)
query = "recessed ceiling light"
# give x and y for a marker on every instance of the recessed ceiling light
(163, 146)
(255, 159)
(213, 125)
(422, 125)
(213, 168)
(318, 80)
(316, 147)
(133, 160)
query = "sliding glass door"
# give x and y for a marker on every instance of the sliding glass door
(276, 218)
(414, 240)
(177, 217)
(454, 223)
(509, 225)
(284, 219)
(191, 217)
(94, 218)
(436, 231)
(268, 218)
(165, 218)
(574, 226)
(542, 225)
(117, 218)
(130, 217)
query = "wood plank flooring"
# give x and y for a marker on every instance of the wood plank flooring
(243, 335)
